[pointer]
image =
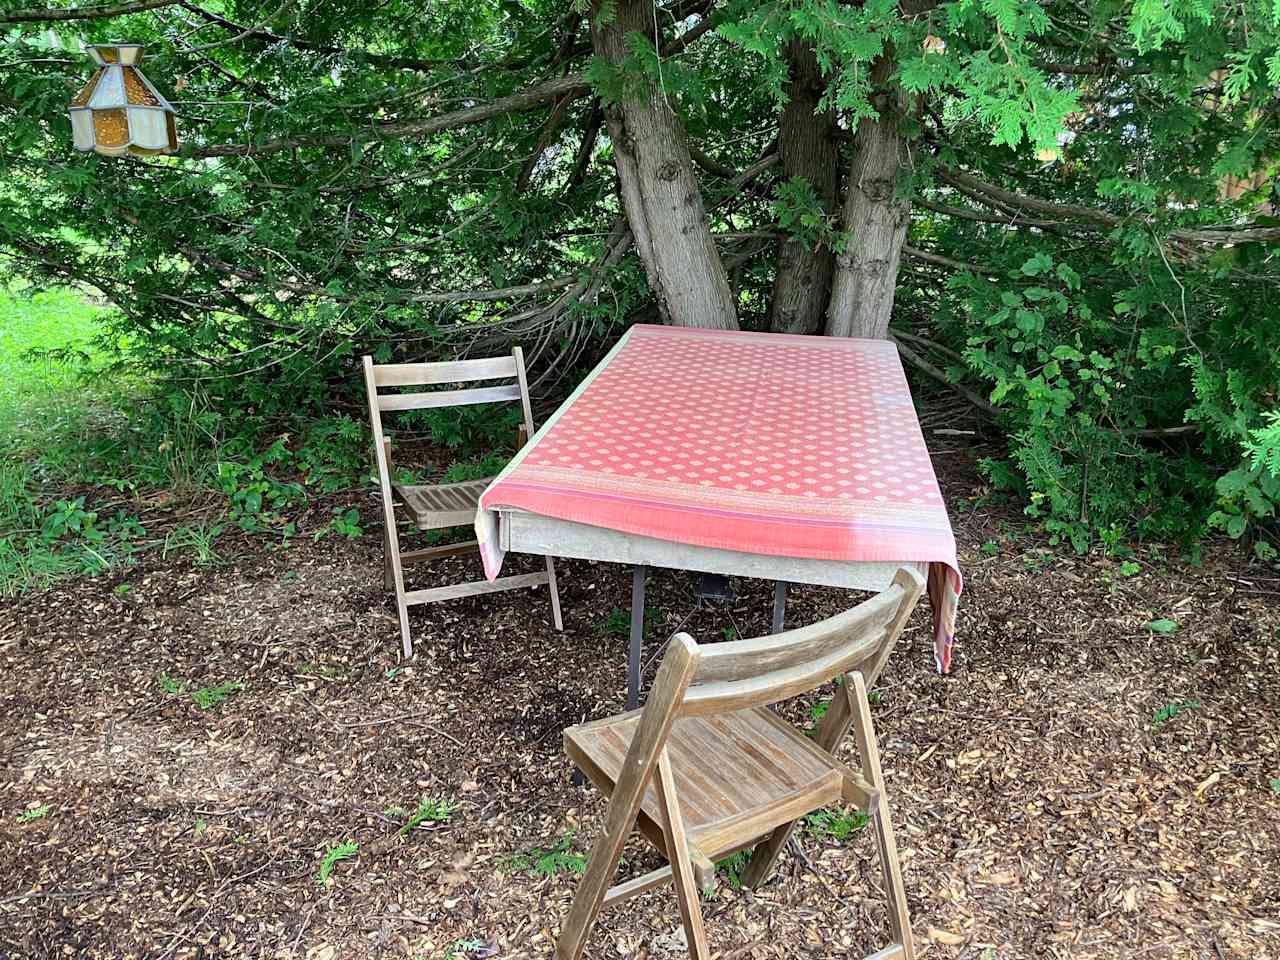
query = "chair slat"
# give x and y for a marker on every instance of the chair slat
(743, 659)
(447, 398)
(455, 371)
(729, 695)
(455, 590)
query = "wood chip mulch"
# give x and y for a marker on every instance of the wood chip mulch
(1042, 810)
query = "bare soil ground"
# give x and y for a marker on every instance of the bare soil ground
(1041, 811)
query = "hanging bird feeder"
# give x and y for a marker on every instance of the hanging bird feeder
(119, 111)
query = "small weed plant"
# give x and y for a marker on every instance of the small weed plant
(559, 858)
(345, 523)
(461, 948)
(35, 813)
(196, 538)
(206, 698)
(1169, 711)
(617, 623)
(429, 811)
(332, 857)
(733, 867)
(168, 684)
(837, 825)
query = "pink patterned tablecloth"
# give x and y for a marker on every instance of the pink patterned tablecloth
(762, 443)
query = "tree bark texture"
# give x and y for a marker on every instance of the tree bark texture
(660, 191)
(874, 221)
(808, 149)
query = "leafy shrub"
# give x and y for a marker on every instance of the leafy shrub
(1079, 364)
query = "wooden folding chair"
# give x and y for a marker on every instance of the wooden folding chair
(448, 504)
(706, 768)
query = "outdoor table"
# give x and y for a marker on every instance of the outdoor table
(789, 458)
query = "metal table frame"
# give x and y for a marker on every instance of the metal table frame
(520, 531)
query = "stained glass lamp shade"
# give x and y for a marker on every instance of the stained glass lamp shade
(119, 111)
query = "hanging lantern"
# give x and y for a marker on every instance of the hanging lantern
(119, 111)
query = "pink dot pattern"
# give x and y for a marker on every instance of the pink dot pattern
(750, 415)
(762, 443)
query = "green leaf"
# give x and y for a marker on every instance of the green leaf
(1037, 265)
(1065, 352)
(1162, 626)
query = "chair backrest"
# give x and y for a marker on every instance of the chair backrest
(764, 670)
(723, 677)
(451, 372)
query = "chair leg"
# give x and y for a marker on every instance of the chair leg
(402, 608)
(588, 899)
(393, 576)
(388, 575)
(678, 856)
(869, 753)
(555, 595)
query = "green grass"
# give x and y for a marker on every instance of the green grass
(72, 417)
(45, 339)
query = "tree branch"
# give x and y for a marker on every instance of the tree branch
(1155, 433)
(572, 86)
(998, 196)
(711, 164)
(310, 289)
(1091, 69)
(590, 134)
(266, 36)
(99, 12)
(1006, 220)
(972, 186)
(920, 363)
(938, 260)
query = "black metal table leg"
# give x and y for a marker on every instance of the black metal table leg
(637, 636)
(779, 604)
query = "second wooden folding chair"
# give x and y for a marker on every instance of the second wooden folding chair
(706, 768)
(449, 504)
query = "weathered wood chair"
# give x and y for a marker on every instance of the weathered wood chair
(448, 504)
(706, 768)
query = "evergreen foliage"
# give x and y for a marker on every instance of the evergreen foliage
(1092, 246)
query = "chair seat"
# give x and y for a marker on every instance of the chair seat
(442, 505)
(737, 775)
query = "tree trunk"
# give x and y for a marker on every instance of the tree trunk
(807, 149)
(874, 222)
(659, 189)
